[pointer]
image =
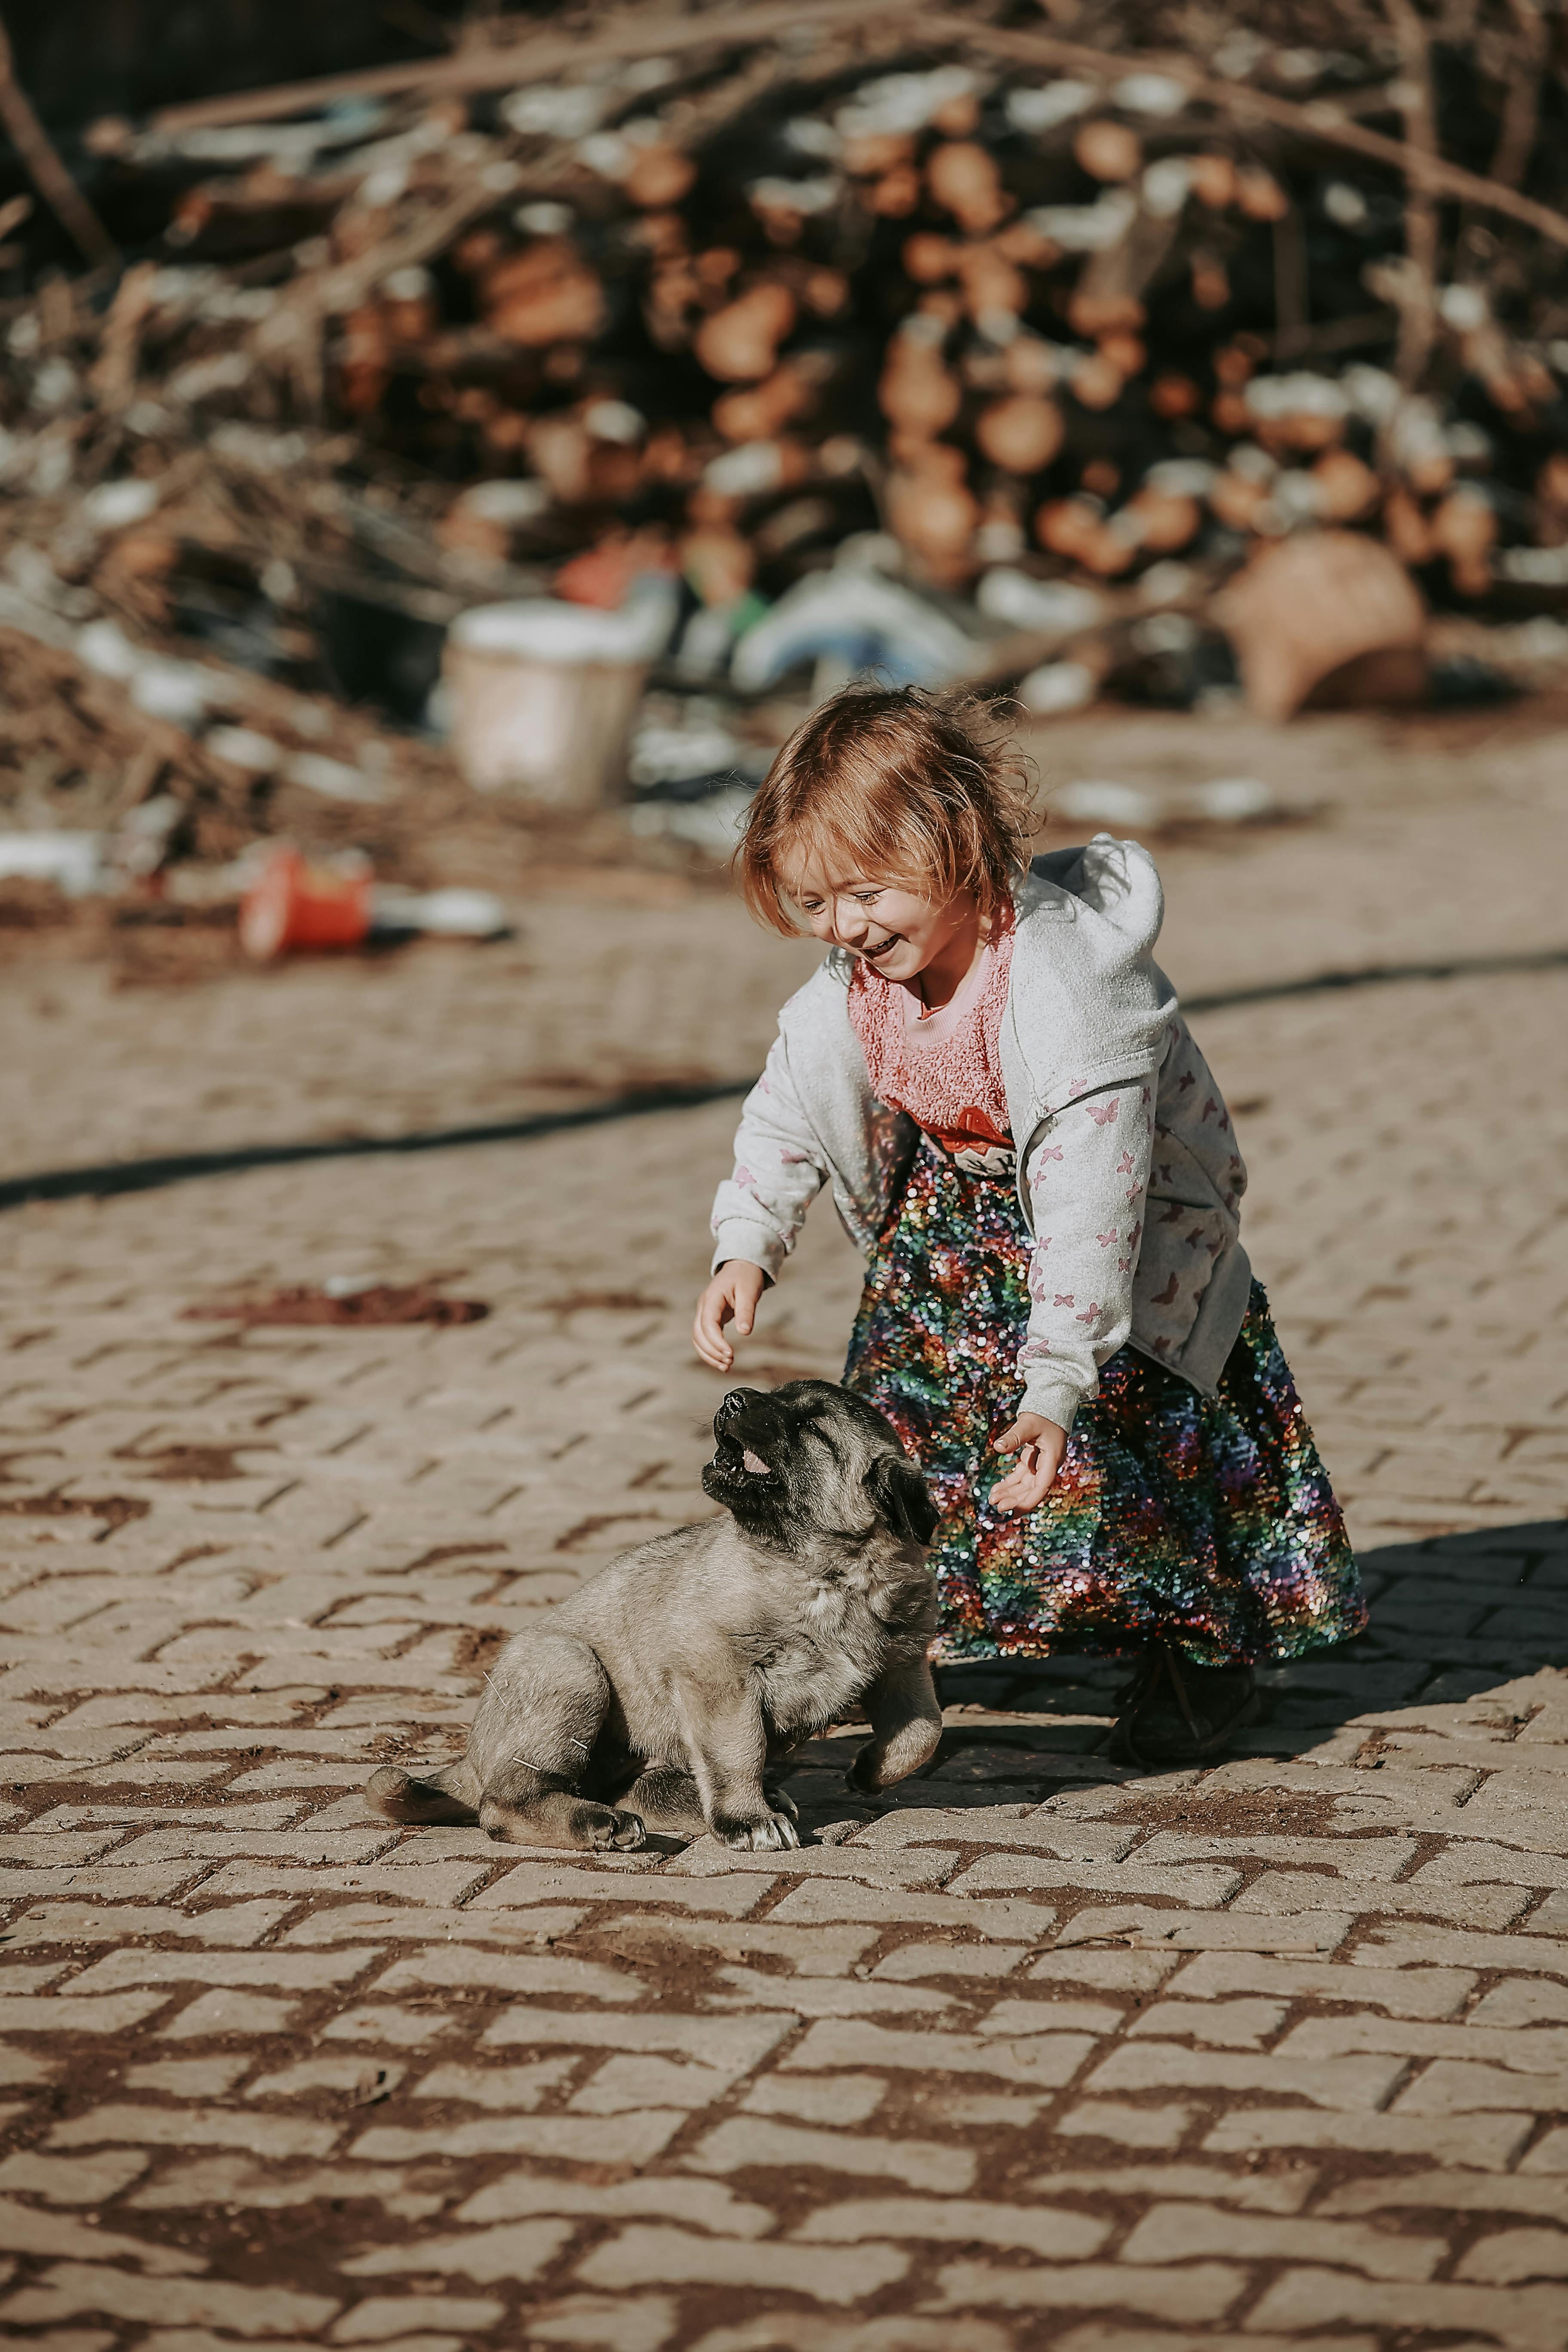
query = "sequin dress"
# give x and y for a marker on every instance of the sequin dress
(1207, 1522)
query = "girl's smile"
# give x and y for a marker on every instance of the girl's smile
(929, 944)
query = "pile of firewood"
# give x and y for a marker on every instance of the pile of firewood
(718, 290)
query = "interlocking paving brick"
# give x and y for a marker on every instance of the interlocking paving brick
(1148, 2127)
(1509, 2256)
(24, 2230)
(109, 2012)
(1173, 2232)
(808, 1996)
(1328, 2082)
(72, 2179)
(841, 2099)
(209, 2127)
(1038, 2230)
(1047, 2049)
(1451, 2087)
(217, 2015)
(1195, 2291)
(1469, 1906)
(1491, 2140)
(1256, 2193)
(197, 2187)
(1045, 2061)
(512, 2249)
(703, 2204)
(1405, 1992)
(380, 2316)
(1459, 2192)
(1530, 2318)
(632, 2139)
(645, 2255)
(68, 2289)
(747, 2141)
(1228, 2024)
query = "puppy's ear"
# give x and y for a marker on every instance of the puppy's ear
(901, 1498)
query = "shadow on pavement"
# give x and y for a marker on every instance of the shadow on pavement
(1453, 1617)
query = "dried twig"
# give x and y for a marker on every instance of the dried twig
(1418, 299)
(1521, 103)
(503, 64)
(1319, 120)
(48, 174)
(1293, 315)
(114, 374)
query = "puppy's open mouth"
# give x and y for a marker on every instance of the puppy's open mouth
(736, 1469)
(738, 1461)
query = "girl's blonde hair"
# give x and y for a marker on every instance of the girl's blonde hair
(904, 786)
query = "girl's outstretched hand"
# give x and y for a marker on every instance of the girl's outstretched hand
(731, 1295)
(1039, 1446)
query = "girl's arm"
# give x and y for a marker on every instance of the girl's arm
(1088, 1174)
(780, 1168)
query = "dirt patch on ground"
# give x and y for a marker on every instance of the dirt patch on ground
(196, 1463)
(586, 1530)
(115, 1509)
(1257, 1813)
(382, 1303)
(605, 1302)
(476, 1648)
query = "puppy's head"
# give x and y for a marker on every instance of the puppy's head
(810, 1460)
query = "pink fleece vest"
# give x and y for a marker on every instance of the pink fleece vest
(942, 1067)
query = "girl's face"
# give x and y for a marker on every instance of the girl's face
(894, 927)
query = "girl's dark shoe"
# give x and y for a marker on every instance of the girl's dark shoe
(1173, 1712)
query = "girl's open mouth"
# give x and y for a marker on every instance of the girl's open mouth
(881, 947)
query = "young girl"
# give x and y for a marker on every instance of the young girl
(991, 1072)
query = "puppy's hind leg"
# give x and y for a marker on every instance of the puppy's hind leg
(668, 1800)
(905, 1716)
(541, 1726)
(450, 1796)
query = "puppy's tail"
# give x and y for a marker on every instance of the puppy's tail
(439, 1797)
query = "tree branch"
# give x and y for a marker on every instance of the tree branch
(499, 63)
(1521, 106)
(44, 167)
(1321, 122)
(1418, 103)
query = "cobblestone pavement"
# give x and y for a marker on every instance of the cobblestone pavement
(1427, 841)
(1044, 2053)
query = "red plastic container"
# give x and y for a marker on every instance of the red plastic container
(293, 905)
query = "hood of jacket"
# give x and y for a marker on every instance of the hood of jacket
(1087, 1004)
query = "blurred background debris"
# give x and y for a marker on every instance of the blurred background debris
(465, 442)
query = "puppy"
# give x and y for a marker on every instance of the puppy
(662, 1694)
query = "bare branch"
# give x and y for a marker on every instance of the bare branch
(1418, 297)
(1319, 120)
(48, 174)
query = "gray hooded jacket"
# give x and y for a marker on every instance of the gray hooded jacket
(1128, 1176)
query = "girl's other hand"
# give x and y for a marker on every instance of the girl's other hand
(731, 1295)
(1039, 1446)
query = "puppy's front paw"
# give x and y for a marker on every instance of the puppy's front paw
(763, 1835)
(864, 1777)
(783, 1802)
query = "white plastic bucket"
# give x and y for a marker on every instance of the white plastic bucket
(543, 693)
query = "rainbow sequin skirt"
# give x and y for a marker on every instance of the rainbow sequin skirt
(1208, 1523)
